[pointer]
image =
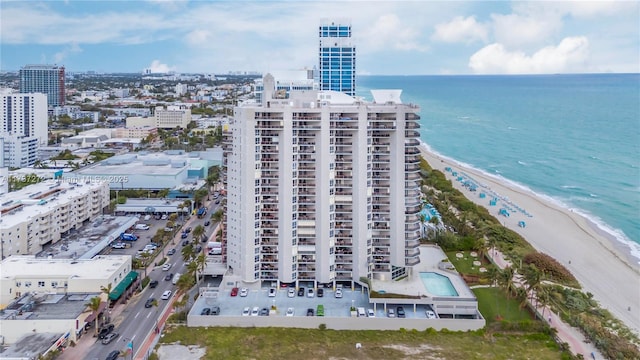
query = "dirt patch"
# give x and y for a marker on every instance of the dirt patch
(416, 352)
(182, 352)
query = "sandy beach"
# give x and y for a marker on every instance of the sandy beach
(602, 267)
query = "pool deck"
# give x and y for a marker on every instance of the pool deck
(430, 257)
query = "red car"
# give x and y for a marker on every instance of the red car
(234, 291)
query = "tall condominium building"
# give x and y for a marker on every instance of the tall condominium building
(337, 70)
(23, 127)
(322, 187)
(46, 79)
(25, 115)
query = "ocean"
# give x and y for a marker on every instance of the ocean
(573, 139)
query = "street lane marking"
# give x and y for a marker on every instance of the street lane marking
(138, 313)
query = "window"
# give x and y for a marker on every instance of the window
(54, 284)
(27, 283)
(40, 283)
(18, 284)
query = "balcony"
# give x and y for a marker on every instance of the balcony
(411, 244)
(412, 261)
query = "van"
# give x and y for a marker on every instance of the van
(362, 312)
(175, 279)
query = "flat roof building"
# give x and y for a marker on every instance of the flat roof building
(46, 79)
(40, 214)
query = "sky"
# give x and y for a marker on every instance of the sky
(391, 37)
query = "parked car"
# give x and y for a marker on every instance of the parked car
(431, 314)
(171, 252)
(301, 291)
(207, 223)
(149, 302)
(320, 310)
(205, 311)
(291, 292)
(106, 329)
(168, 277)
(289, 312)
(198, 248)
(153, 284)
(310, 293)
(371, 313)
(166, 266)
(113, 355)
(185, 243)
(188, 230)
(391, 313)
(255, 311)
(184, 236)
(217, 201)
(338, 293)
(310, 312)
(166, 295)
(272, 292)
(165, 217)
(320, 292)
(400, 311)
(264, 312)
(215, 310)
(244, 292)
(119, 245)
(234, 291)
(109, 338)
(246, 311)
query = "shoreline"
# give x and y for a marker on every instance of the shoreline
(603, 265)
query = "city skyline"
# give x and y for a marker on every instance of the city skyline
(394, 38)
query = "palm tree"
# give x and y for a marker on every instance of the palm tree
(94, 305)
(188, 252)
(532, 279)
(197, 232)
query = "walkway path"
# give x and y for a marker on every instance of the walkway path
(573, 337)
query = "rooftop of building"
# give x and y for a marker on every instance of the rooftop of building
(43, 306)
(29, 345)
(35, 199)
(29, 266)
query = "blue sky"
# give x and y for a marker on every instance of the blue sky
(395, 38)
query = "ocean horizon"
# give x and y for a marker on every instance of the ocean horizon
(571, 139)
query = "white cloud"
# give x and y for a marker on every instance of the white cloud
(388, 31)
(461, 30)
(516, 31)
(198, 37)
(159, 68)
(60, 56)
(569, 56)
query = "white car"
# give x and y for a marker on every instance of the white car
(272, 292)
(246, 311)
(371, 313)
(310, 293)
(391, 313)
(338, 293)
(431, 314)
(255, 311)
(290, 312)
(166, 295)
(166, 267)
(119, 246)
(244, 292)
(291, 292)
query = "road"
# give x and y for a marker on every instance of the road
(136, 321)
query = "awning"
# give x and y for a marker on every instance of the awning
(92, 316)
(123, 285)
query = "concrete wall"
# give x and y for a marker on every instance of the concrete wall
(336, 323)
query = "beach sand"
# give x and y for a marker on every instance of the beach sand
(601, 266)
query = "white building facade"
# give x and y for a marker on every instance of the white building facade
(322, 187)
(42, 213)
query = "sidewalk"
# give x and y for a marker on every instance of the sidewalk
(565, 333)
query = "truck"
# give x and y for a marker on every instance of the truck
(202, 212)
(128, 237)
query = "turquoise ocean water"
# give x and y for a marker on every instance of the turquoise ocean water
(573, 139)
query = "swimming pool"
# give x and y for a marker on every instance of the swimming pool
(437, 284)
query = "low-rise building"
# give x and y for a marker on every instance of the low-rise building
(40, 214)
(140, 132)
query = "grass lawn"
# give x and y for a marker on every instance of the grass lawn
(492, 301)
(465, 265)
(311, 344)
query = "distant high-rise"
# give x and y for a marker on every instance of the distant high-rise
(337, 55)
(46, 79)
(23, 127)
